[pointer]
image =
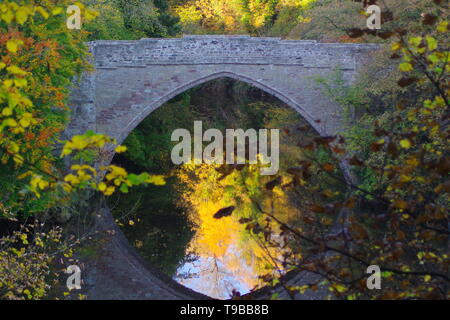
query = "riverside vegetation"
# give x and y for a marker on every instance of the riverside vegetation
(396, 142)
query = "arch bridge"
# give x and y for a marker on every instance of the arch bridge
(133, 78)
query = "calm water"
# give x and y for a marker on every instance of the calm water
(165, 237)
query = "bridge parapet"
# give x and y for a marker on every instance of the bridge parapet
(198, 50)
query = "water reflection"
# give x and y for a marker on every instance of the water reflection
(174, 228)
(212, 276)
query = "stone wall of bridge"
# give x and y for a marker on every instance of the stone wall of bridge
(133, 78)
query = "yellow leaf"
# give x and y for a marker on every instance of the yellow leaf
(90, 14)
(156, 180)
(13, 100)
(2, 65)
(102, 186)
(14, 6)
(66, 151)
(13, 45)
(23, 176)
(20, 83)
(442, 26)
(413, 162)
(396, 46)
(43, 184)
(8, 16)
(109, 191)
(13, 147)
(72, 179)
(10, 122)
(405, 67)
(42, 12)
(75, 167)
(121, 149)
(405, 178)
(26, 102)
(8, 83)
(21, 15)
(16, 70)
(79, 143)
(415, 41)
(432, 43)
(405, 144)
(57, 11)
(18, 159)
(339, 288)
(80, 5)
(67, 187)
(7, 112)
(24, 122)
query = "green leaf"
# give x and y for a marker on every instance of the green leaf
(124, 188)
(433, 58)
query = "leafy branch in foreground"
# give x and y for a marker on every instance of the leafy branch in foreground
(401, 224)
(36, 69)
(39, 59)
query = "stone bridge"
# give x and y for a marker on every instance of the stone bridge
(133, 78)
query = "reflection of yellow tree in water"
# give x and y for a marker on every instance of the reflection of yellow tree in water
(227, 251)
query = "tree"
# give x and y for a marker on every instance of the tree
(401, 225)
(39, 59)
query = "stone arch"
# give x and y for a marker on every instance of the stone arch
(133, 78)
(217, 75)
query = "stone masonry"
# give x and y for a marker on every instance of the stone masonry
(133, 78)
